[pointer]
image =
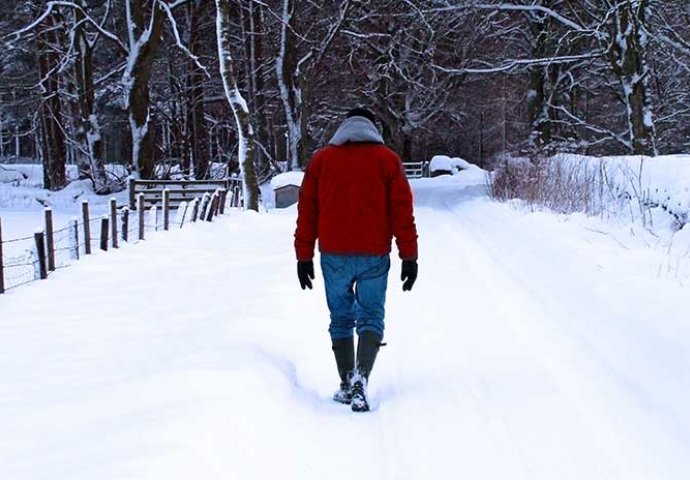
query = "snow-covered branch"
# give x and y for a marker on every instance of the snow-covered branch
(50, 6)
(512, 7)
(527, 62)
(178, 39)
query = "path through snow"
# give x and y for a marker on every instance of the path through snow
(528, 349)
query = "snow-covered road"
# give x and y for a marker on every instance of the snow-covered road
(531, 347)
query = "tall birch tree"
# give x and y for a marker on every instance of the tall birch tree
(301, 51)
(246, 147)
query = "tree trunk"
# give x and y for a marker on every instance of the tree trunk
(246, 147)
(628, 57)
(89, 131)
(197, 133)
(538, 94)
(144, 40)
(288, 83)
(256, 85)
(53, 151)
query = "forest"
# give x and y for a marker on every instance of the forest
(175, 87)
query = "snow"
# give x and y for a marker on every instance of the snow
(458, 164)
(287, 178)
(662, 181)
(533, 346)
(447, 164)
(22, 200)
(440, 163)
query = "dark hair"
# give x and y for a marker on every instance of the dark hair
(362, 112)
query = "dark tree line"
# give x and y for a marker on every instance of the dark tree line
(138, 82)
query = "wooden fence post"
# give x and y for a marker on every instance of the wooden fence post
(203, 206)
(212, 204)
(87, 226)
(153, 212)
(104, 234)
(184, 213)
(223, 199)
(195, 209)
(236, 196)
(50, 239)
(41, 250)
(113, 221)
(125, 224)
(75, 238)
(166, 209)
(142, 212)
(216, 209)
(2, 270)
(132, 195)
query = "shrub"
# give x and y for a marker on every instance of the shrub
(553, 183)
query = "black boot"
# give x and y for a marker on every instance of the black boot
(367, 349)
(344, 350)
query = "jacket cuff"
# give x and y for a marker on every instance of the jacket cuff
(408, 253)
(304, 256)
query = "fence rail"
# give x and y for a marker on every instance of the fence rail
(179, 191)
(415, 169)
(27, 259)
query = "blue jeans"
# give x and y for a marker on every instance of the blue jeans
(355, 292)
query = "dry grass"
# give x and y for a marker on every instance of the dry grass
(549, 183)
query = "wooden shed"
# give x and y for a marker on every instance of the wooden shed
(286, 195)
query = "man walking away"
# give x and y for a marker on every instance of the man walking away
(354, 199)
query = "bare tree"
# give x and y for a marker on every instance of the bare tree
(307, 32)
(470, 77)
(246, 147)
(144, 29)
(53, 152)
(197, 133)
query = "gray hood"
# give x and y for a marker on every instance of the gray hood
(356, 129)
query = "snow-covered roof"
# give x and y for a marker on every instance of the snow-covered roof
(446, 163)
(287, 178)
(440, 162)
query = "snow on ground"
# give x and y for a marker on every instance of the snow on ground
(22, 200)
(533, 346)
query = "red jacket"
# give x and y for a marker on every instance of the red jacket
(354, 198)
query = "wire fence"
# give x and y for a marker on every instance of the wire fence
(27, 259)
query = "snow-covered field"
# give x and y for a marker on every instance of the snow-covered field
(533, 346)
(22, 200)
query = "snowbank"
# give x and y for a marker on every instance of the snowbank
(444, 163)
(641, 189)
(651, 182)
(440, 163)
(21, 188)
(23, 200)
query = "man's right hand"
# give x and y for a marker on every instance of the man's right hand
(305, 273)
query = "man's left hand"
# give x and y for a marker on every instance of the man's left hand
(305, 273)
(408, 274)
